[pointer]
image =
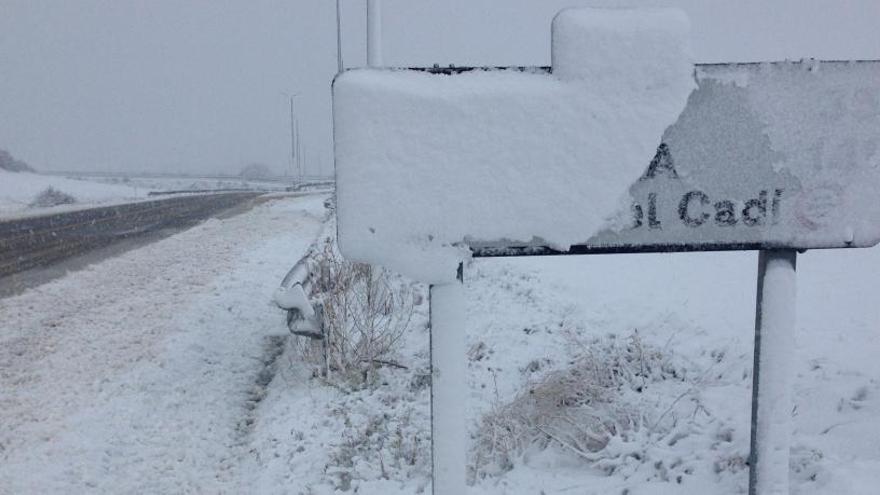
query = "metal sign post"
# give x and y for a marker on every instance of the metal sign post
(772, 375)
(448, 388)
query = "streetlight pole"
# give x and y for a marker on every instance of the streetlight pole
(300, 165)
(295, 145)
(292, 138)
(374, 33)
(339, 65)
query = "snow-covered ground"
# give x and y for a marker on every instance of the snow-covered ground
(692, 314)
(186, 183)
(140, 374)
(168, 370)
(19, 189)
(698, 310)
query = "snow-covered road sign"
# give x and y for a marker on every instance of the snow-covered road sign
(773, 155)
(765, 155)
(769, 156)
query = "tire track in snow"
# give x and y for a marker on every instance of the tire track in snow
(273, 348)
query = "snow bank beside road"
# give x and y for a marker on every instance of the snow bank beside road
(140, 374)
(18, 189)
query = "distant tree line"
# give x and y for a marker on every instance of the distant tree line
(8, 162)
(255, 171)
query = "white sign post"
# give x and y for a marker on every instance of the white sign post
(449, 389)
(772, 377)
(774, 157)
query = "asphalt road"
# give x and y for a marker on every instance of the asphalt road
(39, 242)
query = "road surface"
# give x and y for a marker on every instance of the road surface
(40, 241)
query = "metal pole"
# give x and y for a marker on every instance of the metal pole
(448, 388)
(303, 151)
(339, 65)
(374, 33)
(772, 373)
(299, 157)
(292, 138)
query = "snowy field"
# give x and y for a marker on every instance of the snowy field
(187, 183)
(19, 189)
(687, 318)
(697, 311)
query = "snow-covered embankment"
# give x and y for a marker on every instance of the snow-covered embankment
(139, 374)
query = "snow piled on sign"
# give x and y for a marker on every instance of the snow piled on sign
(427, 163)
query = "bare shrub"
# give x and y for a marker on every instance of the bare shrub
(52, 197)
(366, 311)
(591, 409)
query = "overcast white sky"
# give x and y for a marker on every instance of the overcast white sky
(201, 86)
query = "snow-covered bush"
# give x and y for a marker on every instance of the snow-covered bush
(600, 409)
(366, 311)
(375, 324)
(52, 197)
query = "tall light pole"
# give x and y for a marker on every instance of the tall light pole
(339, 65)
(374, 33)
(292, 138)
(295, 146)
(300, 165)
